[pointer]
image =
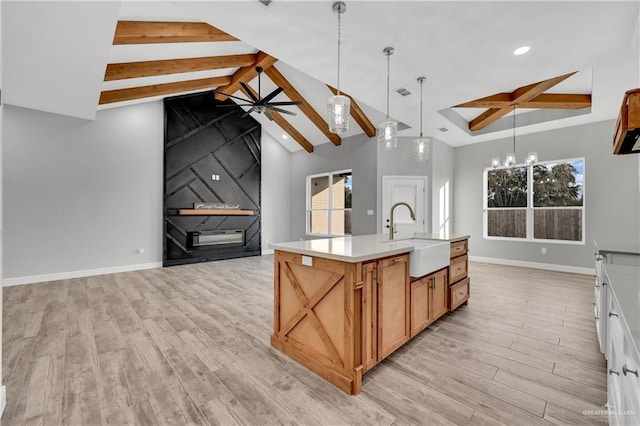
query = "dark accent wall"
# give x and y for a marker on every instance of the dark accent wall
(203, 141)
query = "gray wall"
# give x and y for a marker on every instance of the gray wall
(85, 195)
(400, 162)
(357, 153)
(276, 192)
(611, 192)
(80, 194)
(442, 186)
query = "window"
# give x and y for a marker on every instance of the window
(329, 203)
(542, 202)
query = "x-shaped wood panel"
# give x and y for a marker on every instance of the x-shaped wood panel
(529, 96)
(308, 303)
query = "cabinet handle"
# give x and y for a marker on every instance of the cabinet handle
(613, 314)
(594, 303)
(597, 286)
(396, 260)
(461, 293)
(625, 370)
(612, 371)
(603, 284)
(596, 318)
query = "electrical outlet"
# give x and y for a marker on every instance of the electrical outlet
(370, 212)
(544, 250)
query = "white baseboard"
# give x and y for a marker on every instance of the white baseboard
(32, 279)
(266, 252)
(3, 398)
(536, 265)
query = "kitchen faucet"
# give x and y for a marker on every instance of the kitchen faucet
(391, 224)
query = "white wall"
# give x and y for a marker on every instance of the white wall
(276, 193)
(82, 196)
(611, 193)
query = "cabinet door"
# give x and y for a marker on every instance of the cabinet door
(420, 304)
(438, 294)
(393, 304)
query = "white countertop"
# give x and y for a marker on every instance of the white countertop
(354, 249)
(627, 247)
(624, 281)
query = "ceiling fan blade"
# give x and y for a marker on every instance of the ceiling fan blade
(285, 103)
(249, 91)
(247, 112)
(231, 106)
(266, 112)
(231, 96)
(281, 111)
(271, 95)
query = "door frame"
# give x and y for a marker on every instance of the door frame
(425, 207)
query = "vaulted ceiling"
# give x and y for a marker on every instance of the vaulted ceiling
(62, 57)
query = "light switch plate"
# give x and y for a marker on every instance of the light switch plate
(370, 212)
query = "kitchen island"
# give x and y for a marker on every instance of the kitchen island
(344, 304)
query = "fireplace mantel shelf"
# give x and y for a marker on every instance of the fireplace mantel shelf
(220, 212)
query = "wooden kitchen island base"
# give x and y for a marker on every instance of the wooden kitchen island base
(339, 318)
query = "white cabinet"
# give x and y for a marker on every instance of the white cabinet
(620, 310)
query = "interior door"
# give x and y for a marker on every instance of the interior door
(408, 189)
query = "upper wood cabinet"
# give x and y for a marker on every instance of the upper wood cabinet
(393, 304)
(428, 300)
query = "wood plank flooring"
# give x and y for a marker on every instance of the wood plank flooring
(190, 345)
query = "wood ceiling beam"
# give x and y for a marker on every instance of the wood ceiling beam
(245, 75)
(123, 70)
(518, 96)
(120, 95)
(525, 93)
(285, 125)
(305, 107)
(545, 100)
(146, 32)
(356, 112)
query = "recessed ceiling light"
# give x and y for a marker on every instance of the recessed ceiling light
(284, 136)
(521, 50)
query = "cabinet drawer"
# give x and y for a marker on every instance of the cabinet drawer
(458, 269)
(458, 294)
(459, 248)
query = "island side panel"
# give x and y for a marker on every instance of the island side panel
(314, 320)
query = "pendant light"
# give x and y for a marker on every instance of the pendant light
(422, 144)
(388, 130)
(510, 159)
(339, 106)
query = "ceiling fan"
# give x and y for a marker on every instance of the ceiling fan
(260, 104)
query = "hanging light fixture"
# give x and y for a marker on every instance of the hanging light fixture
(339, 106)
(388, 130)
(510, 159)
(422, 144)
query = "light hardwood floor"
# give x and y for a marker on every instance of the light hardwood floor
(190, 345)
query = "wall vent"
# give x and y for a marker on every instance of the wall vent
(403, 91)
(266, 2)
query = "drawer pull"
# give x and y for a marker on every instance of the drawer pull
(613, 314)
(612, 371)
(461, 293)
(398, 259)
(625, 370)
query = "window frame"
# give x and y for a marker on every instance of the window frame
(530, 208)
(330, 208)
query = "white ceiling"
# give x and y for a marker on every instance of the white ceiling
(464, 49)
